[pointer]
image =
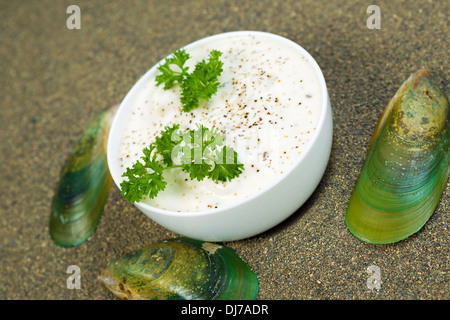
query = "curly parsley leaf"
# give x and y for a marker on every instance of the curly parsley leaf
(167, 142)
(202, 83)
(202, 154)
(168, 75)
(226, 167)
(197, 161)
(199, 85)
(143, 179)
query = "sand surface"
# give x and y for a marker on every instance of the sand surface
(53, 81)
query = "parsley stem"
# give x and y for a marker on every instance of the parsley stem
(174, 166)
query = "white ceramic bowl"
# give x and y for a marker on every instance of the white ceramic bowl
(263, 210)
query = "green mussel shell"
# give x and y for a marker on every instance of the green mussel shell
(83, 186)
(407, 165)
(180, 269)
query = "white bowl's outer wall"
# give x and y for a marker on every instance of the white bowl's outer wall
(260, 212)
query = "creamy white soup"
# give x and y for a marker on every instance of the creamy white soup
(267, 108)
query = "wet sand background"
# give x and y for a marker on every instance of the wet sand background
(53, 81)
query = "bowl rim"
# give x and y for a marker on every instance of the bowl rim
(214, 211)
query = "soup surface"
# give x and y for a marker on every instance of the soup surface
(267, 108)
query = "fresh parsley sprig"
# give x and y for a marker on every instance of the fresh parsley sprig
(170, 75)
(200, 152)
(199, 85)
